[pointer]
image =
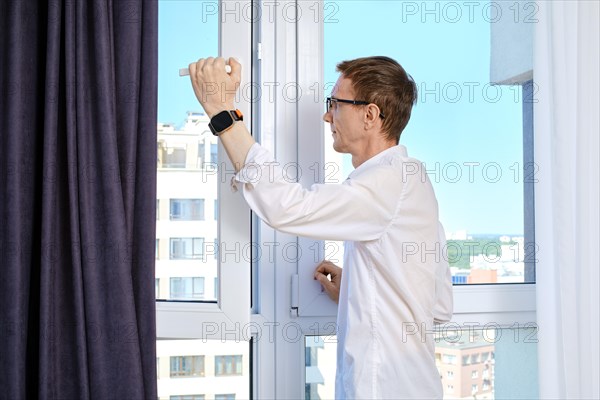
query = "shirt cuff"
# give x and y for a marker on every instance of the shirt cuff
(252, 171)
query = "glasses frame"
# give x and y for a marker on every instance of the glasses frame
(330, 100)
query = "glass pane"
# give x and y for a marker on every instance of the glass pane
(474, 362)
(186, 225)
(188, 369)
(320, 363)
(467, 131)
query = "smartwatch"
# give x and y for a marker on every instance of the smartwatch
(224, 120)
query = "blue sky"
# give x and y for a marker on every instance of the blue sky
(460, 125)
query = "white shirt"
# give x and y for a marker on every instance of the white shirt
(396, 280)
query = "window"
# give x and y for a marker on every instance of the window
(157, 288)
(449, 388)
(228, 365)
(480, 186)
(186, 248)
(171, 157)
(156, 250)
(319, 361)
(449, 359)
(225, 396)
(187, 366)
(473, 389)
(464, 126)
(310, 354)
(187, 170)
(187, 288)
(201, 154)
(280, 118)
(475, 374)
(187, 397)
(214, 153)
(449, 374)
(186, 209)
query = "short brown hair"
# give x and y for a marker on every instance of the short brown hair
(381, 80)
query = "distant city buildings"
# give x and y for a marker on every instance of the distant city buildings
(466, 365)
(197, 370)
(186, 264)
(496, 261)
(187, 208)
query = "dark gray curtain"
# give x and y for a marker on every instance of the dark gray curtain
(78, 98)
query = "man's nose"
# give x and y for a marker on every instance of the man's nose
(327, 117)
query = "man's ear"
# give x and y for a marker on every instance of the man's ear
(371, 115)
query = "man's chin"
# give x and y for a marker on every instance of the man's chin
(338, 148)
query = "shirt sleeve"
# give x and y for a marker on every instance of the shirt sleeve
(359, 209)
(444, 301)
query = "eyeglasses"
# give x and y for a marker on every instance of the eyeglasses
(330, 100)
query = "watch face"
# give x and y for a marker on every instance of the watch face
(221, 121)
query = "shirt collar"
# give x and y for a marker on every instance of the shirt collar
(398, 149)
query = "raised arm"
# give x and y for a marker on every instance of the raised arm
(215, 89)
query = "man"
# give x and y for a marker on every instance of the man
(395, 281)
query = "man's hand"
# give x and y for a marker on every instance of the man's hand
(215, 89)
(332, 287)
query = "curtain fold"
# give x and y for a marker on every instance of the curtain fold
(77, 205)
(567, 149)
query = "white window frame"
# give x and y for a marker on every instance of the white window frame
(288, 295)
(279, 355)
(285, 295)
(189, 320)
(276, 63)
(504, 304)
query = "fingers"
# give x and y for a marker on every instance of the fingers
(327, 267)
(214, 88)
(320, 273)
(196, 70)
(322, 278)
(209, 68)
(236, 69)
(209, 65)
(323, 270)
(332, 288)
(329, 286)
(325, 282)
(218, 63)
